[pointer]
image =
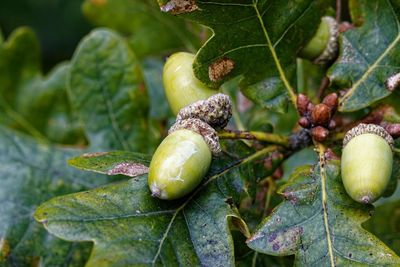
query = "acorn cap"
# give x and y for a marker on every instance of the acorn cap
(209, 135)
(332, 47)
(363, 128)
(215, 111)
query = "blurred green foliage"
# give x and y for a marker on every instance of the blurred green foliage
(59, 25)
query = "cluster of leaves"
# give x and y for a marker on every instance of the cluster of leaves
(109, 97)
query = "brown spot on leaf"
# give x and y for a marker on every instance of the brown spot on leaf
(220, 68)
(128, 169)
(4, 249)
(95, 154)
(393, 82)
(179, 6)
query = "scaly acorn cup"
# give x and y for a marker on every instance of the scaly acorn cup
(182, 159)
(323, 46)
(367, 161)
(181, 87)
(215, 111)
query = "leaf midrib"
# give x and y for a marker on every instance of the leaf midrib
(110, 107)
(377, 62)
(324, 199)
(271, 47)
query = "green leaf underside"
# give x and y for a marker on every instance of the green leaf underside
(369, 55)
(261, 38)
(114, 162)
(29, 101)
(147, 29)
(131, 228)
(30, 174)
(321, 224)
(106, 89)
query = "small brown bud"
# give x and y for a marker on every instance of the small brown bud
(310, 107)
(319, 133)
(304, 122)
(321, 115)
(332, 125)
(329, 155)
(302, 104)
(393, 129)
(331, 101)
(345, 26)
(278, 174)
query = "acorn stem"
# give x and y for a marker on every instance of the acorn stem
(255, 135)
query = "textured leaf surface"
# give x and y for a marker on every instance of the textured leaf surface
(148, 30)
(107, 90)
(131, 228)
(256, 39)
(320, 224)
(30, 174)
(152, 71)
(112, 163)
(369, 55)
(30, 102)
(386, 224)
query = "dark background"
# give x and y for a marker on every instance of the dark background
(59, 25)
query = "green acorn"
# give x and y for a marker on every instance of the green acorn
(367, 161)
(182, 88)
(182, 159)
(323, 46)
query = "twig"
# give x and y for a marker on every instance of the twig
(338, 10)
(254, 135)
(324, 84)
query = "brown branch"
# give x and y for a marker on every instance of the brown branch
(338, 10)
(324, 84)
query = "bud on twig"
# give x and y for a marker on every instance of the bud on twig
(332, 125)
(321, 115)
(345, 26)
(393, 129)
(278, 173)
(310, 107)
(302, 104)
(319, 133)
(331, 101)
(304, 122)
